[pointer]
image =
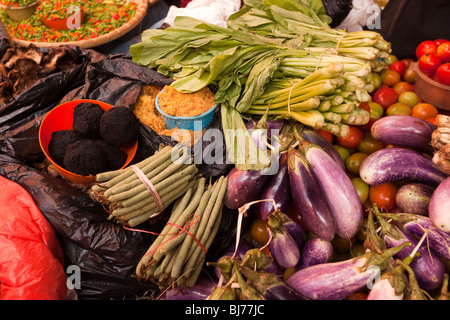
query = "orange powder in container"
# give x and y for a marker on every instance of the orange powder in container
(178, 104)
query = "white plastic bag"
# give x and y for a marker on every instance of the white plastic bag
(214, 12)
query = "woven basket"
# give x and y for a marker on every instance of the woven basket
(141, 11)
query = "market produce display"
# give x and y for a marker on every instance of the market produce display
(337, 187)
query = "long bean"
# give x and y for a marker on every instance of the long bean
(197, 229)
(179, 238)
(166, 183)
(175, 215)
(172, 168)
(133, 180)
(208, 235)
(120, 174)
(176, 193)
(182, 204)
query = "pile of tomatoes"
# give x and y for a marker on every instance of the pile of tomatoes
(434, 59)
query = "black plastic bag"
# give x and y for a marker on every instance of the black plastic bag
(406, 23)
(337, 10)
(106, 253)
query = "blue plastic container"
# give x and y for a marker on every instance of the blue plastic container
(197, 123)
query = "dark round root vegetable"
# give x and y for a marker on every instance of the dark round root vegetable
(59, 142)
(114, 156)
(84, 157)
(86, 119)
(119, 127)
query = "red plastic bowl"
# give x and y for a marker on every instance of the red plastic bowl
(60, 24)
(61, 118)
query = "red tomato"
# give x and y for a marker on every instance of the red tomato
(385, 96)
(443, 52)
(326, 134)
(407, 61)
(352, 140)
(440, 41)
(383, 195)
(443, 74)
(399, 67)
(428, 63)
(426, 47)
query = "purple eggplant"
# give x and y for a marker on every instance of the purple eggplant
(437, 240)
(270, 285)
(439, 208)
(200, 291)
(314, 137)
(277, 189)
(414, 198)
(394, 164)
(336, 280)
(244, 186)
(308, 197)
(338, 190)
(428, 268)
(293, 228)
(315, 251)
(283, 248)
(404, 131)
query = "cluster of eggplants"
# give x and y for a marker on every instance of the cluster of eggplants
(336, 188)
(428, 268)
(437, 241)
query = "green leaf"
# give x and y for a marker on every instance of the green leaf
(241, 150)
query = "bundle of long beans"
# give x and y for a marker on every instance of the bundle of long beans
(129, 200)
(177, 255)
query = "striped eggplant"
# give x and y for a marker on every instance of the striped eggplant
(427, 266)
(203, 287)
(414, 198)
(338, 189)
(314, 137)
(292, 227)
(277, 189)
(336, 280)
(439, 208)
(315, 251)
(394, 164)
(437, 240)
(282, 246)
(308, 197)
(270, 285)
(404, 131)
